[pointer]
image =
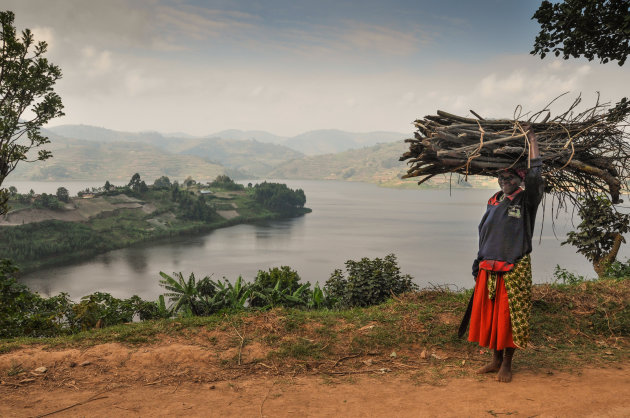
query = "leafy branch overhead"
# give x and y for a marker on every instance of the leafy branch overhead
(27, 98)
(589, 28)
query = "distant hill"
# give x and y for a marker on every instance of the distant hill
(332, 141)
(115, 155)
(376, 164)
(242, 157)
(75, 159)
(260, 136)
(309, 143)
(249, 157)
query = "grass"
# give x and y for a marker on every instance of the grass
(572, 326)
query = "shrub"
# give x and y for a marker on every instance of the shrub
(563, 276)
(25, 313)
(154, 310)
(618, 270)
(102, 309)
(269, 285)
(369, 282)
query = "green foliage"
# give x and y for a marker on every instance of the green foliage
(25, 313)
(26, 84)
(224, 182)
(369, 282)
(618, 270)
(47, 201)
(284, 278)
(599, 235)
(318, 299)
(63, 195)
(183, 294)
(193, 208)
(49, 239)
(232, 296)
(154, 310)
(278, 197)
(563, 276)
(205, 297)
(162, 183)
(102, 309)
(280, 286)
(137, 185)
(272, 297)
(589, 28)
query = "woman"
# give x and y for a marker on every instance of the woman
(502, 270)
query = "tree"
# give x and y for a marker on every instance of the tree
(27, 99)
(134, 183)
(592, 28)
(600, 234)
(162, 183)
(63, 194)
(589, 28)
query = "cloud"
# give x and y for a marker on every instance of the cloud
(492, 85)
(203, 24)
(43, 33)
(95, 63)
(377, 38)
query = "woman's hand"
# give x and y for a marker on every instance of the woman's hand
(533, 141)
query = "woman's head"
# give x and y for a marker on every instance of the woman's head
(510, 180)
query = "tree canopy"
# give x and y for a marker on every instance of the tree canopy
(589, 28)
(27, 99)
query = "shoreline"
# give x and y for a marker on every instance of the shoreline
(161, 237)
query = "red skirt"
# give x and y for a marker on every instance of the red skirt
(490, 324)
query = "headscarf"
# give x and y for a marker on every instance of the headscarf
(521, 172)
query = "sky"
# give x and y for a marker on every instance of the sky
(291, 66)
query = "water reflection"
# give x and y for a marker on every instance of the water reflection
(137, 259)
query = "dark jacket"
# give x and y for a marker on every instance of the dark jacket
(507, 227)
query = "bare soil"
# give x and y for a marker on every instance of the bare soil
(173, 378)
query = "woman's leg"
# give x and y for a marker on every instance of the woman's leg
(505, 372)
(495, 364)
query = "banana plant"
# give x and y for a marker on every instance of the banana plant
(235, 295)
(162, 310)
(317, 298)
(182, 293)
(277, 296)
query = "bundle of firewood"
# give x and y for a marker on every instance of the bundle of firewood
(584, 154)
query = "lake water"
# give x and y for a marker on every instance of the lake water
(432, 232)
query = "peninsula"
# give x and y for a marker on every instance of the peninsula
(44, 230)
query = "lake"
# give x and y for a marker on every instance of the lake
(432, 232)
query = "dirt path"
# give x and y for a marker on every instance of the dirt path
(112, 386)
